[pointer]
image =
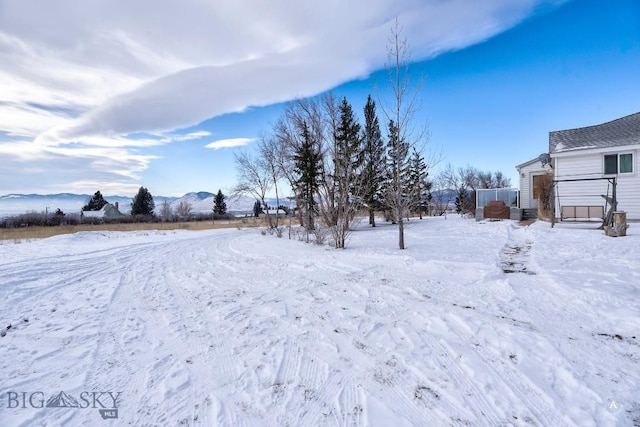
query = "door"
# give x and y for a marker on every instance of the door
(536, 190)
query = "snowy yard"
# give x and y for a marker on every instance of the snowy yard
(474, 324)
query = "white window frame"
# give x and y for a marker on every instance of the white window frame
(632, 154)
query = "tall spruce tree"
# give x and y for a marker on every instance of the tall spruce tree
(373, 174)
(257, 208)
(143, 203)
(307, 167)
(96, 203)
(461, 199)
(219, 205)
(418, 181)
(348, 160)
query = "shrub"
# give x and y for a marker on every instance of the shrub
(545, 199)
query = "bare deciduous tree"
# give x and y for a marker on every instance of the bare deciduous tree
(402, 126)
(254, 178)
(183, 210)
(165, 211)
(467, 180)
(288, 140)
(269, 153)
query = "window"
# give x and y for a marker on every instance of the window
(626, 163)
(611, 164)
(618, 163)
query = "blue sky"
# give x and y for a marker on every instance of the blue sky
(110, 96)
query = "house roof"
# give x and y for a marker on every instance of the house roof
(530, 162)
(107, 209)
(616, 133)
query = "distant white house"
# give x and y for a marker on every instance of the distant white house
(272, 213)
(584, 162)
(107, 211)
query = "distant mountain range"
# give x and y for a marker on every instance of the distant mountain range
(201, 202)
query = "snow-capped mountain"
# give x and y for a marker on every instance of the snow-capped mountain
(15, 204)
(201, 202)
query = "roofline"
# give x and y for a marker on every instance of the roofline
(530, 162)
(595, 150)
(593, 126)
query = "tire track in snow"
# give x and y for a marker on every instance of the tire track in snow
(394, 389)
(535, 400)
(31, 286)
(445, 360)
(350, 406)
(139, 282)
(112, 352)
(206, 348)
(81, 277)
(484, 410)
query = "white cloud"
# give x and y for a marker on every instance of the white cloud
(96, 72)
(229, 143)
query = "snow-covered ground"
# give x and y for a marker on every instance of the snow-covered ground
(474, 324)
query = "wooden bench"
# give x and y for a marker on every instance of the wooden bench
(581, 212)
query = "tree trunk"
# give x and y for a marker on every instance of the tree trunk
(266, 209)
(372, 217)
(400, 233)
(277, 203)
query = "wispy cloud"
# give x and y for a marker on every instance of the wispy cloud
(96, 73)
(229, 143)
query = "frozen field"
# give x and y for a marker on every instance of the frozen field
(474, 324)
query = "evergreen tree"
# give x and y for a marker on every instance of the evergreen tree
(257, 209)
(461, 199)
(348, 160)
(374, 161)
(418, 181)
(307, 167)
(143, 203)
(58, 217)
(349, 155)
(219, 205)
(96, 203)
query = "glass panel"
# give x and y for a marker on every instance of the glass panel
(508, 195)
(504, 196)
(626, 163)
(611, 164)
(484, 197)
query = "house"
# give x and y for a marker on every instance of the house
(606, 150)
(530, 175)
(586, 162)
(107, 211)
